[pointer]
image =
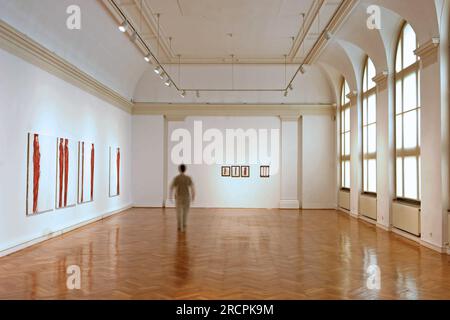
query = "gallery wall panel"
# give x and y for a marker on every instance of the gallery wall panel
(34, 101)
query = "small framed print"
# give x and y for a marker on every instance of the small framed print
(235, 172)
(245, 172)
(264, 172)
(226, 171)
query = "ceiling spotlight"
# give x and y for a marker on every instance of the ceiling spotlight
(286, 93)
(168, 83)
(302, 70)
(328, 35)
(291, 87)
(198, 94)
(158, 70)
(183, 93)
(148, 57)
(124, 26)
(162, 75)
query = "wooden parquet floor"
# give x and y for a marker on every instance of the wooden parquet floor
(227, 254)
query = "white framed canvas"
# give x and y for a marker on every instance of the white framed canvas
(86, 171)
(66, 173)
(41, 174)
(114, 171)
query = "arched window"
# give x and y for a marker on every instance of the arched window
(345, 136)
(407, 117)
(369, 129)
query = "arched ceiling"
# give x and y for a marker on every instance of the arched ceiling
(98, 49)
(110, 57)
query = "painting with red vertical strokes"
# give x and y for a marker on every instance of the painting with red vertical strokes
(41, 174)
(245, 171)
(66, 173)
(86, 171)
(114, 171)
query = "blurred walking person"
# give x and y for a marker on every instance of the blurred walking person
(184, 194)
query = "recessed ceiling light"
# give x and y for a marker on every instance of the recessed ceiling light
(124, 26)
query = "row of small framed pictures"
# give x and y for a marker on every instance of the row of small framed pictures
(244, 171)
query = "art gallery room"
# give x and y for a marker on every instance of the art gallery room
(224, 150)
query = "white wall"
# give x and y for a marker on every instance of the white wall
(318, 163)
(148, 162)
(226, 192)
(316, 174)
(32, 100)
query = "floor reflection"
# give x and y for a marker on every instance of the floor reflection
(182, 263)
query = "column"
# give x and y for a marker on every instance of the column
(355, 152)
(434, 148)
(385, 148)
(169, 122)
(289, 162)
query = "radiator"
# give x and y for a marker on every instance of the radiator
(368, 206)
(406, 217)
(344, 200)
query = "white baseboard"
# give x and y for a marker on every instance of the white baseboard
(289, 204)
(368, 220)
(354, 215)
(383, 227)
(343, 210)
(318, 206)
(431, 246)
(58, 233)
(146, 206)
(406, 235)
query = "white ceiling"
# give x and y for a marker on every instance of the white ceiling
(212, 30)
(260, 28)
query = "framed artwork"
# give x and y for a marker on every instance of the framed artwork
(114, 171)
(226, 171)
(66, 174)
(236, 172)
(41, 163)
(245, 171)
(264, 172)
(86, 170)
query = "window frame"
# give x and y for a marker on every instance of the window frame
(400, 76)
(344, 106)
(366, 95)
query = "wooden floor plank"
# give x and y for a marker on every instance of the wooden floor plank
(227, 254)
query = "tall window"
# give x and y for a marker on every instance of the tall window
(345, 137)
(369, 129)
(407, 117)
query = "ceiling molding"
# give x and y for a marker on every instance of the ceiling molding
(185, 110)
(338, 19)
(428, 52)
(27, 49)
(309, 19)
